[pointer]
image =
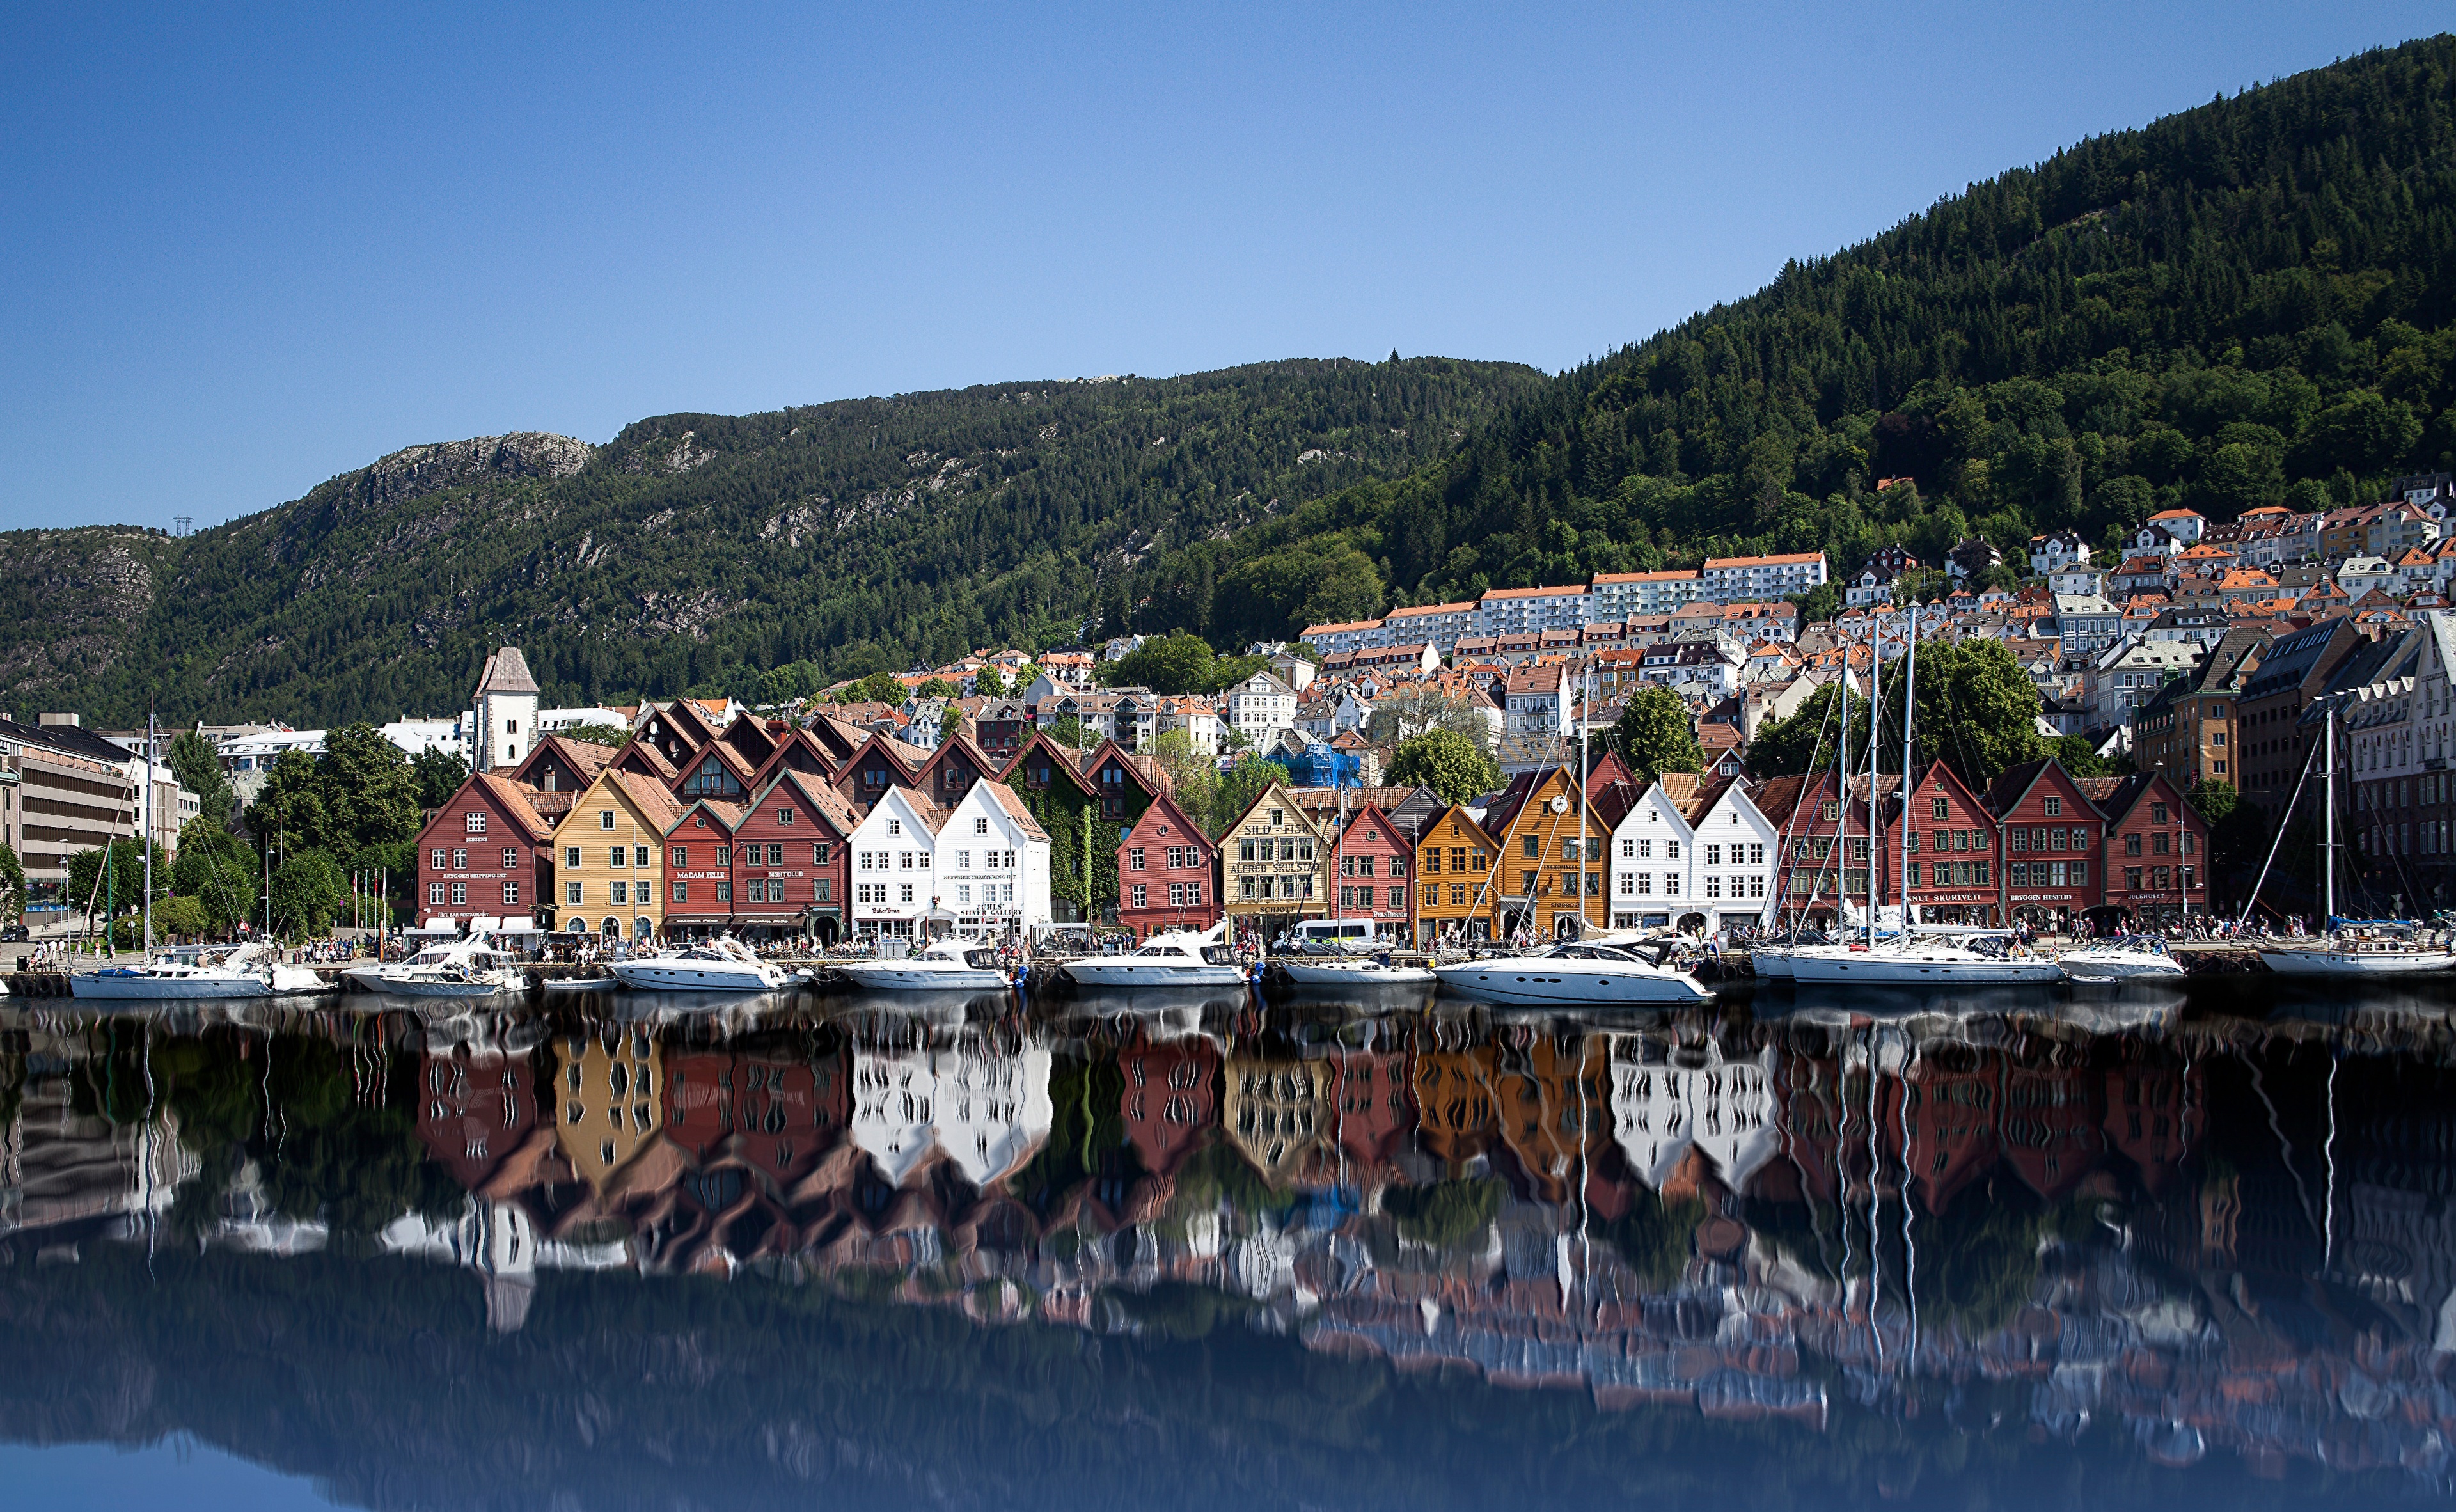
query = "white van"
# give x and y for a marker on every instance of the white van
(1354, 937)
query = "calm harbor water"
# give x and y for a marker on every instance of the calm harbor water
(632, 1252)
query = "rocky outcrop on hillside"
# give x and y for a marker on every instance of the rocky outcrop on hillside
(415, 471)
(80, 591)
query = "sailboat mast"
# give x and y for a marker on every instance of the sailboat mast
(1842, 808)
(1875, 726)
(1910, 700)
(149, 831)
(1583, 778)
(2328, 805)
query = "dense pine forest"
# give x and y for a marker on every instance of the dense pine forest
(2244, 303)
(758, 554)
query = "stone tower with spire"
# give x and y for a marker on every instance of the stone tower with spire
(503, 724)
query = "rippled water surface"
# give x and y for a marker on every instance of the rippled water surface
(637, 1252)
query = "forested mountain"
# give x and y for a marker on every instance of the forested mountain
(2253, 301)
(697, 550)
(2246, 303)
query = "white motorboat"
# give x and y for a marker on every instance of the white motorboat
(948, 965)
(458, 967)
(1169, 958)
(2135, 957)
(254, 970)
(722, 965)
(1353, 971)
(1602, 972)
(1922, 963)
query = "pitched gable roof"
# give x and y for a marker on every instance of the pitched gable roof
(506, 671)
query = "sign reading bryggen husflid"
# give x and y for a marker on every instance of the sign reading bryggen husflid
(2040, 847)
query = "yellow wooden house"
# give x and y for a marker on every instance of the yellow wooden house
(609, 854)
(1272, 865)
(1454, 859)
(1551, 871)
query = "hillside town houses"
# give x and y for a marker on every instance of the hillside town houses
(2187, 651)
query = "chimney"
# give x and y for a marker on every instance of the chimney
(70, 719)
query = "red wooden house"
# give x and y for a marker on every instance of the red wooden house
(697, 872)
(1951, 863)
(1940, 1120)
(878, 765)
(791, 870)
(2054, 845)
(675, 731)
(475, 1108)
(1167, 872)
(776, 1115)
(488, 853)
(2158, 848)
(1824, 841)
(1371, 859)
(1172, 1096)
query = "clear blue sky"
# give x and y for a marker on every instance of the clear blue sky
(242, 250)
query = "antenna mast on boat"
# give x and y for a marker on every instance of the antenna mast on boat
(1583, 779)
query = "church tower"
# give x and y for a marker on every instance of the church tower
(504, 722)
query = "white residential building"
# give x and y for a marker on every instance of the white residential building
(1537, 700)
(1531, 611)
(1715, 872)
(1615, 597)
(1728, 579)
(1261, 707)
(1438, 624)
(2053, 553)
(992, 864)
(2360, 575)
(2086, 623)
(894, 865)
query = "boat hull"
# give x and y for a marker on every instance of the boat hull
(1123, 973)
(2358, 962)
(1771, 964)
(2100, 971)
(1312, 973)
(1880, 969)
(695, 976)
(105, 987)
(898, 976)
(1537, 983)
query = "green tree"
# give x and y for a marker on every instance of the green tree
(1655, 734)
(938, 688)
(197, 764)
(613, 735)
(1065, 732)
(1240, 785)
(123, 889)
(371, 796)
(1194, 778)
(1447, 762)
(882, 687)
(1977, 709)
(182, 918)
(217, 870)
(950, 720)
(1809, 738)
(989, 684)
(12, 884)
(2078, 755)
(1168, 664)
(1406, 711)
(309, 891)
(438, 774)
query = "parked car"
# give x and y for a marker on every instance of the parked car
(14, 934)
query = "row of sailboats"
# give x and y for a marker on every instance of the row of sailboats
(1908, 958)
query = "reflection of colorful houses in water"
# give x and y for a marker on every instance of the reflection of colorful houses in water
(1456, 1116)
(2155, 1114)
(476, 1106)
(1371, 1102)
(1940, 1120)
(777, 1116)
(1553, 1098)
(984, 1110)
(2052, 1130)
(1171, 1095)
(1669, 1104)
(612, 1104)
(1277, 1111)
